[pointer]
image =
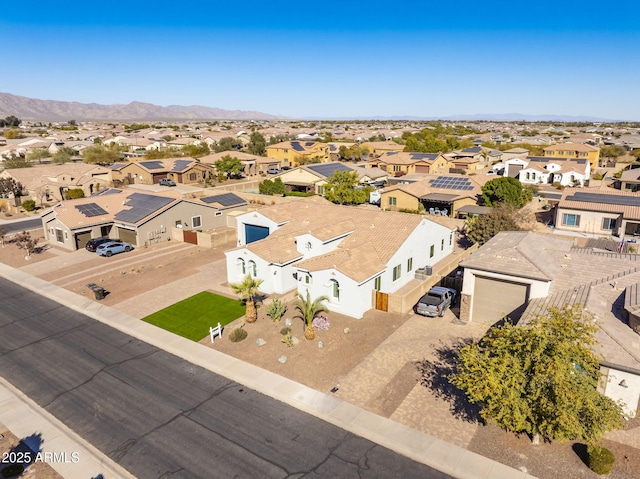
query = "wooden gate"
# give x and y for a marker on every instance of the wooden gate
(382, 301)
(190, 237)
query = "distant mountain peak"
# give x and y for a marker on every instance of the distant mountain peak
(32, 109)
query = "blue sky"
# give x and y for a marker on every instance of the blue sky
(331, 59)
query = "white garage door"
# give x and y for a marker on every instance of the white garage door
(494, 299)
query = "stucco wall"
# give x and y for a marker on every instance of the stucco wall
(590, 221)
(621, 386)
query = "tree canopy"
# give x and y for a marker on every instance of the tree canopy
(257, 144)
(227, 144)
(272, 187)
(344, 188)
(540, 378)
(103, 155)
(231, 166)
(10, 121)
(484, 227)
(505, 190)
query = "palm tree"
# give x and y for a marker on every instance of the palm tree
(308, 310)
(247, 290)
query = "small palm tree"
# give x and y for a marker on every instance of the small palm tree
(308, 310)
(247, 290)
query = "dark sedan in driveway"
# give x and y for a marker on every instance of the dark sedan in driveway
(93, 243)
(113, 247)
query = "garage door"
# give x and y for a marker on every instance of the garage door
(494, 298)
(422, 169)
(82, 238)
(128, 236)
(255, 233)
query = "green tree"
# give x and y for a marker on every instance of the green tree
(10, 121)
(484, 227)
(227, 144)
(540, 378)
(505, 190)
(38, 154)
(17, 162)
(635, 153)
(257, 144)
(74, 193)
(344, 188)
(248, 289)
(272, 187)
(12, 134)
(103, 155)
(64, 155)
(196, 151)
(612, 152)
(309, 309)
(229, 165)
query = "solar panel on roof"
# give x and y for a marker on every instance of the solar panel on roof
(451, 183)
(180, 165)
(605, 199)
(225, 199)
(296, 146)
(142, 205)
(329, 169)
(91, 209)
(152, 165)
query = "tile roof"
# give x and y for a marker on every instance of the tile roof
(604, 201)
(581, 147)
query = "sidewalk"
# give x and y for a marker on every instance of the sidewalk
(421, 447)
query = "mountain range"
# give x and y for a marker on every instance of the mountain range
(32, 109)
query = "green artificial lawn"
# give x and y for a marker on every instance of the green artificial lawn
(191, 318)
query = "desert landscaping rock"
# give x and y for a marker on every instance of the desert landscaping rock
(260, 342)
(320, 345)
(282, 359)
(287, 322)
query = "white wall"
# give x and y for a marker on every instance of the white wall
(610, 386)
(353, 300)
(253, 218)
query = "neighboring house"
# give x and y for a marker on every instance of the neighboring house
(549, 170)
(442, 195)
(406, 163)
(47, 183)
(600, 212)
(522, 274)
(253, 164)
(514, 153)
(630, 180)
(150, 172)
(294, 153)
(574, 150)
(137, 218)
(377, 148)
(345, 253)
(313, 178)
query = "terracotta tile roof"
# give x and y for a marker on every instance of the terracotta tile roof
(581, 147)
(608, 204)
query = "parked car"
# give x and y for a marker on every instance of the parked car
(437, 300)
(93, 243)
(273, 171)
(167, 182)
(113, 247)
(285, 168)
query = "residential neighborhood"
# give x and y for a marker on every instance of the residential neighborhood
(342, 218)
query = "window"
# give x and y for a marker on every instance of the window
(218, 213)
(335, 289)
(196, 221)
(442, 245)
(59, 237)
(569, 219)
(321, 190)
(450, 239)
(409, 265)
(252, 268)
(392, 201)
(397, 271)
(377, 283)
(609, 224)
(396, 168)
(241, 267)
(192, 177)
(432, 251)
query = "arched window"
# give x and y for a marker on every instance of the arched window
(335, 290)
(252, 268)
(241, 267)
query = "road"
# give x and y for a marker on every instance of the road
(160, 416)
(15, 226)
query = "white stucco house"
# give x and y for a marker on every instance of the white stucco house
(342, 252)
(535, 170)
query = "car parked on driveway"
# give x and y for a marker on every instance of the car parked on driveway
(113, 247)
(273, 171)
(437, 300)
(167, 182)
(93, 243)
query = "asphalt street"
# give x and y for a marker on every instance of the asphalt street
(161, 416)
(16, 226)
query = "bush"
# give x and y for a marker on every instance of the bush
(598, 176)
(29, 205)
(320, 323)
(276, 309)
(600, 459)
(286, 330)
(75, 193)
(237, 335)
(14, 470)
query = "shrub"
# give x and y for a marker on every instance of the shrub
(276, 309)
(14, 470)
(288, 340)
(75, 193)
(600, 459)
(320, 323)
(286, 330)
(29, 205)
(598, 176)
(237, 335)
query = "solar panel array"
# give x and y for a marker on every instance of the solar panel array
(91, 209)
(423, 156)
(226, 199)
(180, 165)
(329, 169)
(605, 199)
(297, 146)
(152, 165)
(452, 183)
(117, 166)
(141, 206)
